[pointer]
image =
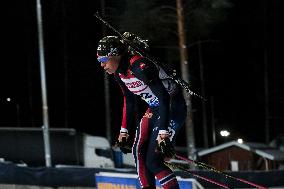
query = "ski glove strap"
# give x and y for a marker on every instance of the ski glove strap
(166, 148)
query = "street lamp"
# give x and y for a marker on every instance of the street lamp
(9, 100)
(224, 133)
(240, 140)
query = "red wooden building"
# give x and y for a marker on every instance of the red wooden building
(242, 156)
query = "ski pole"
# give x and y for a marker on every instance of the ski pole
(195, 175)
(210, 168)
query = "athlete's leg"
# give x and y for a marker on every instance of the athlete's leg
(155, 162)
(139, 151)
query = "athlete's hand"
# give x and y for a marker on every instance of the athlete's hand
(123, 143)
(161, 137)
(165, 146)
(122, 136)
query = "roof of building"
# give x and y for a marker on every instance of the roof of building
(258, 148)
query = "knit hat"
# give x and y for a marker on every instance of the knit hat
(110, 46)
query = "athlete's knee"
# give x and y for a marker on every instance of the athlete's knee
(156, 164)
(167, 179)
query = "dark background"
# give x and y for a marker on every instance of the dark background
(233, 69)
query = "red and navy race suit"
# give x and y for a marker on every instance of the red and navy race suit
(166, 112)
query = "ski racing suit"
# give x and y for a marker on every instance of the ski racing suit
(166, 113)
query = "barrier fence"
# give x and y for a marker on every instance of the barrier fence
(12, 186)
(17, 177)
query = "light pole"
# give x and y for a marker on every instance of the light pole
(45, 127)
(106, 87)
(213, 121)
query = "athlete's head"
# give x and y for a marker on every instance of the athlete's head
(109, 52)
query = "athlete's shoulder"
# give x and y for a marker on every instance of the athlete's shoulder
(140, 63)
(135, 58)
(143, 69)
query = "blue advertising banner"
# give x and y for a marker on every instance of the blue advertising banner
(107, 180)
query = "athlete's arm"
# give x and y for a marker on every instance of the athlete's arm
(128, 106)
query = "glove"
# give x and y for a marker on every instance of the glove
(124, 145)
(166, 148)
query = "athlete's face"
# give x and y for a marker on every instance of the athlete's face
(111, 65)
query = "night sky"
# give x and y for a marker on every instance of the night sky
(233, 70)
